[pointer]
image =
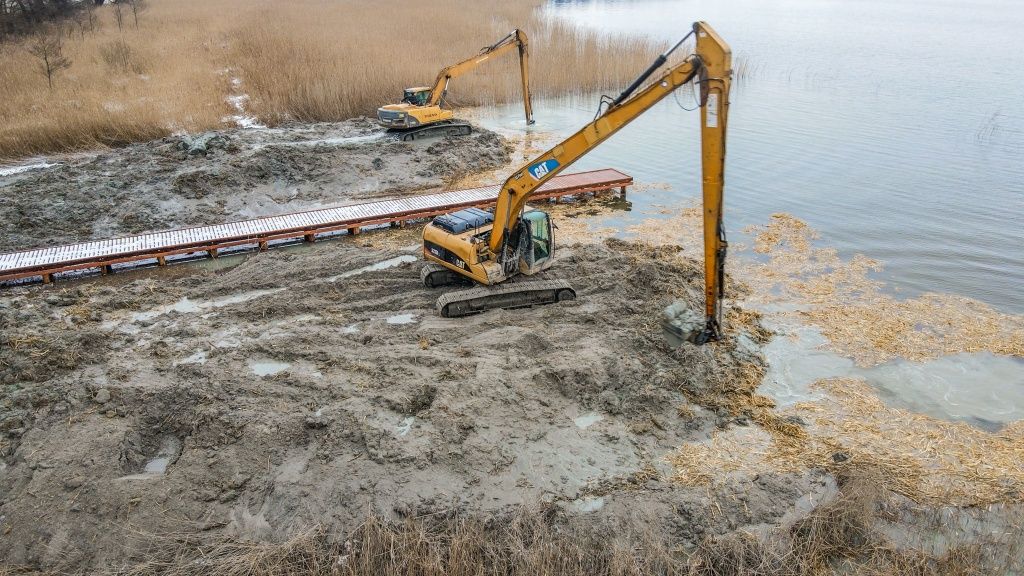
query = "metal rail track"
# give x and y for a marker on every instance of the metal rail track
(159, 247)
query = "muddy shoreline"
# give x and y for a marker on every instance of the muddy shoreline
(218, 177)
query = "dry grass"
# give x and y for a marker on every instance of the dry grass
(346, 63)
(120, 88)
(924, 459)
(529, 543)
(309, 60)
(841, 536)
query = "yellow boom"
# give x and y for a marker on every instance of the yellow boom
(515, 39)
(493, 251)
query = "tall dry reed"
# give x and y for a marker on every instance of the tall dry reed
(307, 60)
(122, 86)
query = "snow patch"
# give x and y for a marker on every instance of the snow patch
(237, 101)
(12, 170)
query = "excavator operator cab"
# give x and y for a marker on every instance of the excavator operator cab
(538, 242)
(417, 96)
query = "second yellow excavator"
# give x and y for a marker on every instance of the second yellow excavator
(421, 112)
(491, 248)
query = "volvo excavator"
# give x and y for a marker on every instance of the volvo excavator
(420, 114)
(493, 248)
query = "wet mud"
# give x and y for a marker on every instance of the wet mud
(218, 177)
(312, 386)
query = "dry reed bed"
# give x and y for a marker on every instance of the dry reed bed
(309, 60)
(840, 536)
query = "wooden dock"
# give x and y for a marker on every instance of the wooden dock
(159, 247)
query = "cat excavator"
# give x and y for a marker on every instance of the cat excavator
(492, 249)
(420, 114)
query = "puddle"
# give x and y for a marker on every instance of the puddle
(267, 367)
(382, 265)
(401, 319)
(587, 504)
(796, 359)
(351, 329)
(187, 306)
(405, 427)
(155, 467)
(980, 388)
(197, 358)
(587, 420)
(228, 342)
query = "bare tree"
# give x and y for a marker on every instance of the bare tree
(137, 6)
(48, 47)
(24, 17)
(85, 19)
(119, 16)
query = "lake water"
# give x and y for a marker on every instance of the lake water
(895, 128)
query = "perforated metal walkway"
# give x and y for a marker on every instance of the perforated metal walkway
(44, 263)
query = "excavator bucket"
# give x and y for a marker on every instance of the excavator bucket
(682, 323)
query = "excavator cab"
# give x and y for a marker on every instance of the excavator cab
(538, 242)
(417, 96)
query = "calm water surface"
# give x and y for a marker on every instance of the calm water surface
(895, 128)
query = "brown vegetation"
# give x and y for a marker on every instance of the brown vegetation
(841, 536)
(314, 60)
(859, 317)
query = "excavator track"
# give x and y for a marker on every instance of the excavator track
(512, 295)
(454, 128)
(435, 276)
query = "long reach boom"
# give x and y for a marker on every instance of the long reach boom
(711, 64)
(493, 248)
(515, 39)
(421, 113)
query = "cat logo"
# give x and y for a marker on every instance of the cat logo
(542, 169)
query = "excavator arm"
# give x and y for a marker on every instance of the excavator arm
(711, 64)
(516, 39)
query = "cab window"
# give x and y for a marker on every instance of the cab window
(416, 98)
(540, 232)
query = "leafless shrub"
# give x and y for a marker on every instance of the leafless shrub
(119, 15)
(48, 48)
(118, 55)
(85, 19)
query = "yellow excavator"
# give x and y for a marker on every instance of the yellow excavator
(420, 114)
(491, 248)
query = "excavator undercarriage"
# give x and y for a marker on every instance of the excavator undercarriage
(445, 129)
(511, 294)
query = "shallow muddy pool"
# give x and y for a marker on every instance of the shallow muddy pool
(982, 389)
